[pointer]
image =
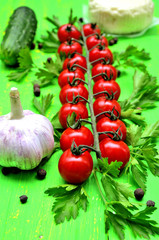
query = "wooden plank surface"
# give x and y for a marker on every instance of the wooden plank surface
(34, 220)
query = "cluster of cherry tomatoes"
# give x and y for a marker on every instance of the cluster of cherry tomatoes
(75, 164)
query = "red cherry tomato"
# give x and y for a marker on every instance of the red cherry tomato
(76, 59)
(115, 150)
(68, 108)
(90, 28)
(67, 76)
(101, 104)
(81, 136)
(68, 92)
(109, 70)
(105, 124)
(96, 39)
(68, 31)
(75, 169)
(69, 47)
(100, 52)
(111, 87)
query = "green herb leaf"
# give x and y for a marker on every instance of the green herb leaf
(54, 20)
(25, 61)
(116, 191)
(72, 19)
(145, 92)
(43, 104)
(55, 122)
(112, 168)
(68, 201)
(50, 72)
(25, 64)
(128, 58)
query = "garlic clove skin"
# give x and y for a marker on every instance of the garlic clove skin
(24, 141)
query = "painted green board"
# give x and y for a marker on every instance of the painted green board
(34, 220)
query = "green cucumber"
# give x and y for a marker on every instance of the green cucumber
(19, 34)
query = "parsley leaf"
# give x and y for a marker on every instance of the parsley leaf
(143, 150)
(50, 72)
(116, 191)
(43, 104)
(145, 94)
(124, 58)
(118, 216)
(112, 168)
(25, 65)
(69, 199)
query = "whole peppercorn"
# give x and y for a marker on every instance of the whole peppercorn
(118, 73)
(150, 203)
(41, 174)
(111, 42)
(37, 92)
(40, 46)
(36, 85)
(49, 59)
(6, 171)
(32, 46)
(23, 198)
(115, 40)
(139, 193)
(81, 20)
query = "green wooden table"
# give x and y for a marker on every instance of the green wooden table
(34, 220)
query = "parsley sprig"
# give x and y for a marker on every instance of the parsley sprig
(131, 57)
(144, 96)
(25, 65)
(43, 104)
(144, 154)
(69, 199)
(50, 72)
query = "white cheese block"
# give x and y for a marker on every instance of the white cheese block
(121, 16)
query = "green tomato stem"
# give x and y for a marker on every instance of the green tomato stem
(93, 118)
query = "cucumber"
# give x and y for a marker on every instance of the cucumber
(19, 34)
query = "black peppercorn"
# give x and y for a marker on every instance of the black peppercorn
(150, 203)
(49, 59)
(37, 92)
(111, 42)
(36, 85)
(23, 198)
(32, 46)
(6, 171)
(81, 20)
(139, 193)
(118, 73)
(115, 40)
(41, 174)
(40, 46)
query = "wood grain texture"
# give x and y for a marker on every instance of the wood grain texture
(34, 220)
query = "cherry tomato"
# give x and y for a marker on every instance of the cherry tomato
(96, 39)
(68, 92)
(90, 28)
(75, 169)
(67, 76)
(69, 47)
(109, 70)
(100, 52)
(105, 124)
(68, 108)
(68, 31)
(115, 150)
(111, 87)
(101, 104)
(81, 136)
(71, 62)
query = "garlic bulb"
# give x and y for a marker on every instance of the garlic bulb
(25, 137)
